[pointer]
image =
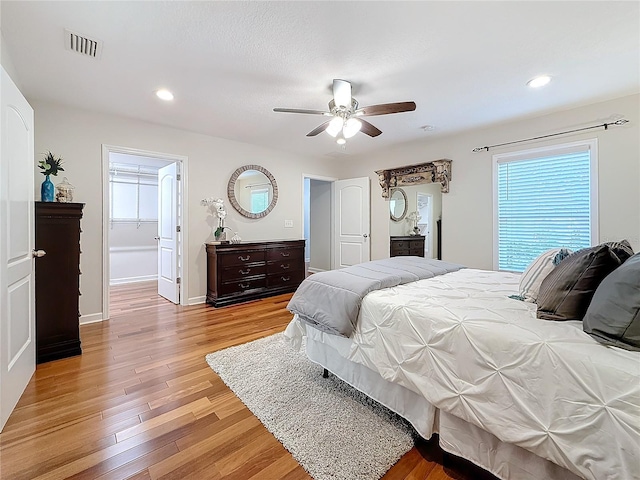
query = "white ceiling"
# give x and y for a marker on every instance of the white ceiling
(465, 64)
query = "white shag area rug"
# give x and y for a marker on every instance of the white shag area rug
(331, 429)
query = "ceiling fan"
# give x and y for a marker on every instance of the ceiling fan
(347, 115)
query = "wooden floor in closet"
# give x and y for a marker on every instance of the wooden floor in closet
(142, 403)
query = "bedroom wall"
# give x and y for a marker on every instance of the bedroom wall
(467, 210)
(78, 136)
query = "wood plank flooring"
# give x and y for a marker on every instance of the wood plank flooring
(141, 403)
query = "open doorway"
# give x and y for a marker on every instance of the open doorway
(317, 222)
(142, 238)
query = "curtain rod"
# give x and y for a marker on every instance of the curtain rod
(622, 121)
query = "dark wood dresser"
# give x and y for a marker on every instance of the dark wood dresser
(57, 280)
(238, 272)
(407, 245)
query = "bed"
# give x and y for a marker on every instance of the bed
(521, 397)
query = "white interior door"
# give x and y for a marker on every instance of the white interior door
(352, 222)
(17, 237)
(168, 233)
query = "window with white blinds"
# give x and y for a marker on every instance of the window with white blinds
(544, 199)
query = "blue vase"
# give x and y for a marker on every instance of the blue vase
(47, 190)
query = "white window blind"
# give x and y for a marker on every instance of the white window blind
(543, 202)
(134, 194)
(259, 200)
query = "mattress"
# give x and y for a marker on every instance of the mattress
(459, 342)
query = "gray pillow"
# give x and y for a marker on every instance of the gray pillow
(566, 292)
(613, 317)
(622, 249)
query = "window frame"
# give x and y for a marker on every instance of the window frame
(590, 145)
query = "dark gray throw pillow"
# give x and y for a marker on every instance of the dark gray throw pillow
(622, 249)
(566, 292)
(613, 317)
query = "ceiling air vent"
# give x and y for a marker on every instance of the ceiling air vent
(82, 44)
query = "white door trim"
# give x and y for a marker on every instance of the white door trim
(183, 249)
(312, 176)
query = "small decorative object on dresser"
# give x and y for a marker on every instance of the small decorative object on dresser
(408, 245)
(64, 191)
(241, 272)
(216, 206)
(57, 284)
(50, 165)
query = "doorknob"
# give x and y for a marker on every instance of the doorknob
(365, 235)
(156, 238)
(38, 253)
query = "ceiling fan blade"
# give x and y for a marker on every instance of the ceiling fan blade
(301, 110)
(385, 109)
(318, 129)
(342, 93)
(369, 129)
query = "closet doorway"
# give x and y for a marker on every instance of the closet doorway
(142, 238)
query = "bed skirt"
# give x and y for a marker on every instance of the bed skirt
(458, 437)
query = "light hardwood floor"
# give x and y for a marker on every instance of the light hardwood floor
(142, 403)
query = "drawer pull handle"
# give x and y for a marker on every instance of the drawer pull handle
(243, 285)
(244, 259)
(284, 266)
(285, 279)
(285, 254)
(244, 272)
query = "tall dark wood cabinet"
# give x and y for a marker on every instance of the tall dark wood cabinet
(58, 280)
(238, 272)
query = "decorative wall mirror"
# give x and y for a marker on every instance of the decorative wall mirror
(397, 204)
(252, 191)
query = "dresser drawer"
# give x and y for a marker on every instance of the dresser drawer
(285, 253)
(284, 266)
(243, 285)
(240, 258)
(401, 245)
(416, 244)
(284, 279)
(236, 272)
(400, 252)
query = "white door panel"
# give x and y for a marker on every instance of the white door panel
(352, 222)
(17, 300)
(168, 234)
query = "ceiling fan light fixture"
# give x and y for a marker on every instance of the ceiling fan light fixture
(335, 126)
(340, 140)
(351, 127)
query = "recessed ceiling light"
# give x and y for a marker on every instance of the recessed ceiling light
(540, 81)
(164, 94)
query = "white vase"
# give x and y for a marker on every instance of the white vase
(236, 239)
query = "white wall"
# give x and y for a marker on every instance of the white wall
(467, 212)
(133, 252)
(77, 136)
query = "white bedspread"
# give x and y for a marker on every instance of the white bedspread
(460, 342)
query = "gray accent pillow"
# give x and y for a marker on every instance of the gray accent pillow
(613, 317)
(622, 249)
(566, 292)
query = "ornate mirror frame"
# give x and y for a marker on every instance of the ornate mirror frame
(406, 205)
(438, 171)
(231, 193)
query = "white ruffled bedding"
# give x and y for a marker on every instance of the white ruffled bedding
(461, 343)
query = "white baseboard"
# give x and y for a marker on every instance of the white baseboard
(91, 318)
(315, 270)
(197, 300)
(144, 278)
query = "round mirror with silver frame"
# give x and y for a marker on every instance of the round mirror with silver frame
(252, 191)
(397, 204)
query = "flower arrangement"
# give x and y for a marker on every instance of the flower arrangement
(216, 205)
(413, 218)
(50, 165)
